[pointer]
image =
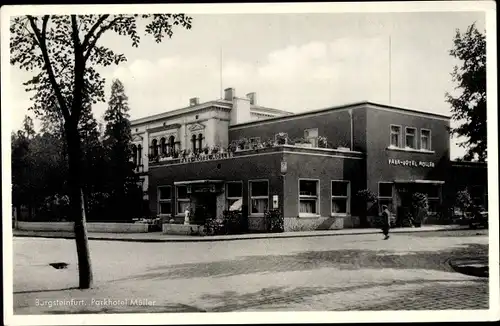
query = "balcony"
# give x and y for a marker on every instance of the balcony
(243, 148)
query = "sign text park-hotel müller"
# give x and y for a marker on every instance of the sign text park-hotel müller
(411, 163)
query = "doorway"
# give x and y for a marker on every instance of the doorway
(205, 207)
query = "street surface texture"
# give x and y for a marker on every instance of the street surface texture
(333, 273)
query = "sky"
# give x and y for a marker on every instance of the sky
(294, 62)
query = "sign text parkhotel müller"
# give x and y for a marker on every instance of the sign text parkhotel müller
(411, 163)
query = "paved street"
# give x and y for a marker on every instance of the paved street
(331, 273)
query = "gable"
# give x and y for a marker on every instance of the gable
(196, 127)
(136, 138)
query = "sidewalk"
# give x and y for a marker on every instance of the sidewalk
(160, 237)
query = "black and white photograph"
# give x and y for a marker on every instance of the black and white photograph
(243, 162)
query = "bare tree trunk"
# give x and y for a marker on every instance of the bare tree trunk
(78, 207)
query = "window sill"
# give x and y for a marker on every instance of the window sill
(410, 150)
(340, 215)
(306, 215)
(256, 215)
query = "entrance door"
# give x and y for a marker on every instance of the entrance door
(206, 206)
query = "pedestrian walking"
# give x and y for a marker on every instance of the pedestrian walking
(386, 221)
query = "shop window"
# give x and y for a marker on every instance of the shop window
(395, 136)
(312, 136)
(385, 195)
(259, 197)
(234, 193)
(410, 138)
(164, 200)
(341, 193)
(182, 199)
(425, 139)
(308, 197)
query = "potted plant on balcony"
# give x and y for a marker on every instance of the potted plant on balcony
(323, 142)
(281, 139)
(215, 149)
(302, 142)
(206, 150)
(242, 143)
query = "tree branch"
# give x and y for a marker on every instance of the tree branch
(79, 71)
(98, 35)
(92, 30)
(48, 65)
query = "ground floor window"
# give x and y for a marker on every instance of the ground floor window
(164, 200)
(341, 193)
(385, 195)
(308, 197)
(259, 197)
(234, 193)
(478, 194)
(182, 199)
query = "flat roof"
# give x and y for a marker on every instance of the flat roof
(344, 107)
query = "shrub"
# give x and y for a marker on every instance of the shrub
(232, 222)
(463, 201)
(420, 207)
(274, 221)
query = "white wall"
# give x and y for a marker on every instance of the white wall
(91, 227)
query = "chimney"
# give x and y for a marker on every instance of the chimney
(253, 98)
(229, 94)
(194, 101)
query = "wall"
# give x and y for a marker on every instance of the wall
(334, 125)
(245, 168)
(91, 227)
(325, 169)
(378, 140)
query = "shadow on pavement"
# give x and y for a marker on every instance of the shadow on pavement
(345, 259)
(437, 299)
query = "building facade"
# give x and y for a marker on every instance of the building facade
(233, 153)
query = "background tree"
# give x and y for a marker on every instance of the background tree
(125, 198)
(470, 105)
(64, 51)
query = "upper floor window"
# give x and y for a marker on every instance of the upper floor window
(410, 138)
(312, 136)
(308, 197)
(259, 197)
(395, 136)
(425, 139)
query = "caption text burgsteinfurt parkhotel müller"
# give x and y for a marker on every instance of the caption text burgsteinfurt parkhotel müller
(95, 302)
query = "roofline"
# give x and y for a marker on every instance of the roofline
(201, 106)
(184, 110)
(342, 107)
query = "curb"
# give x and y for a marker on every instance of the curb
(468, 269)
(209, 239)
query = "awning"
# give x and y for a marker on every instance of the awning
(420, 181)
(181, 183)
(236, 206)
